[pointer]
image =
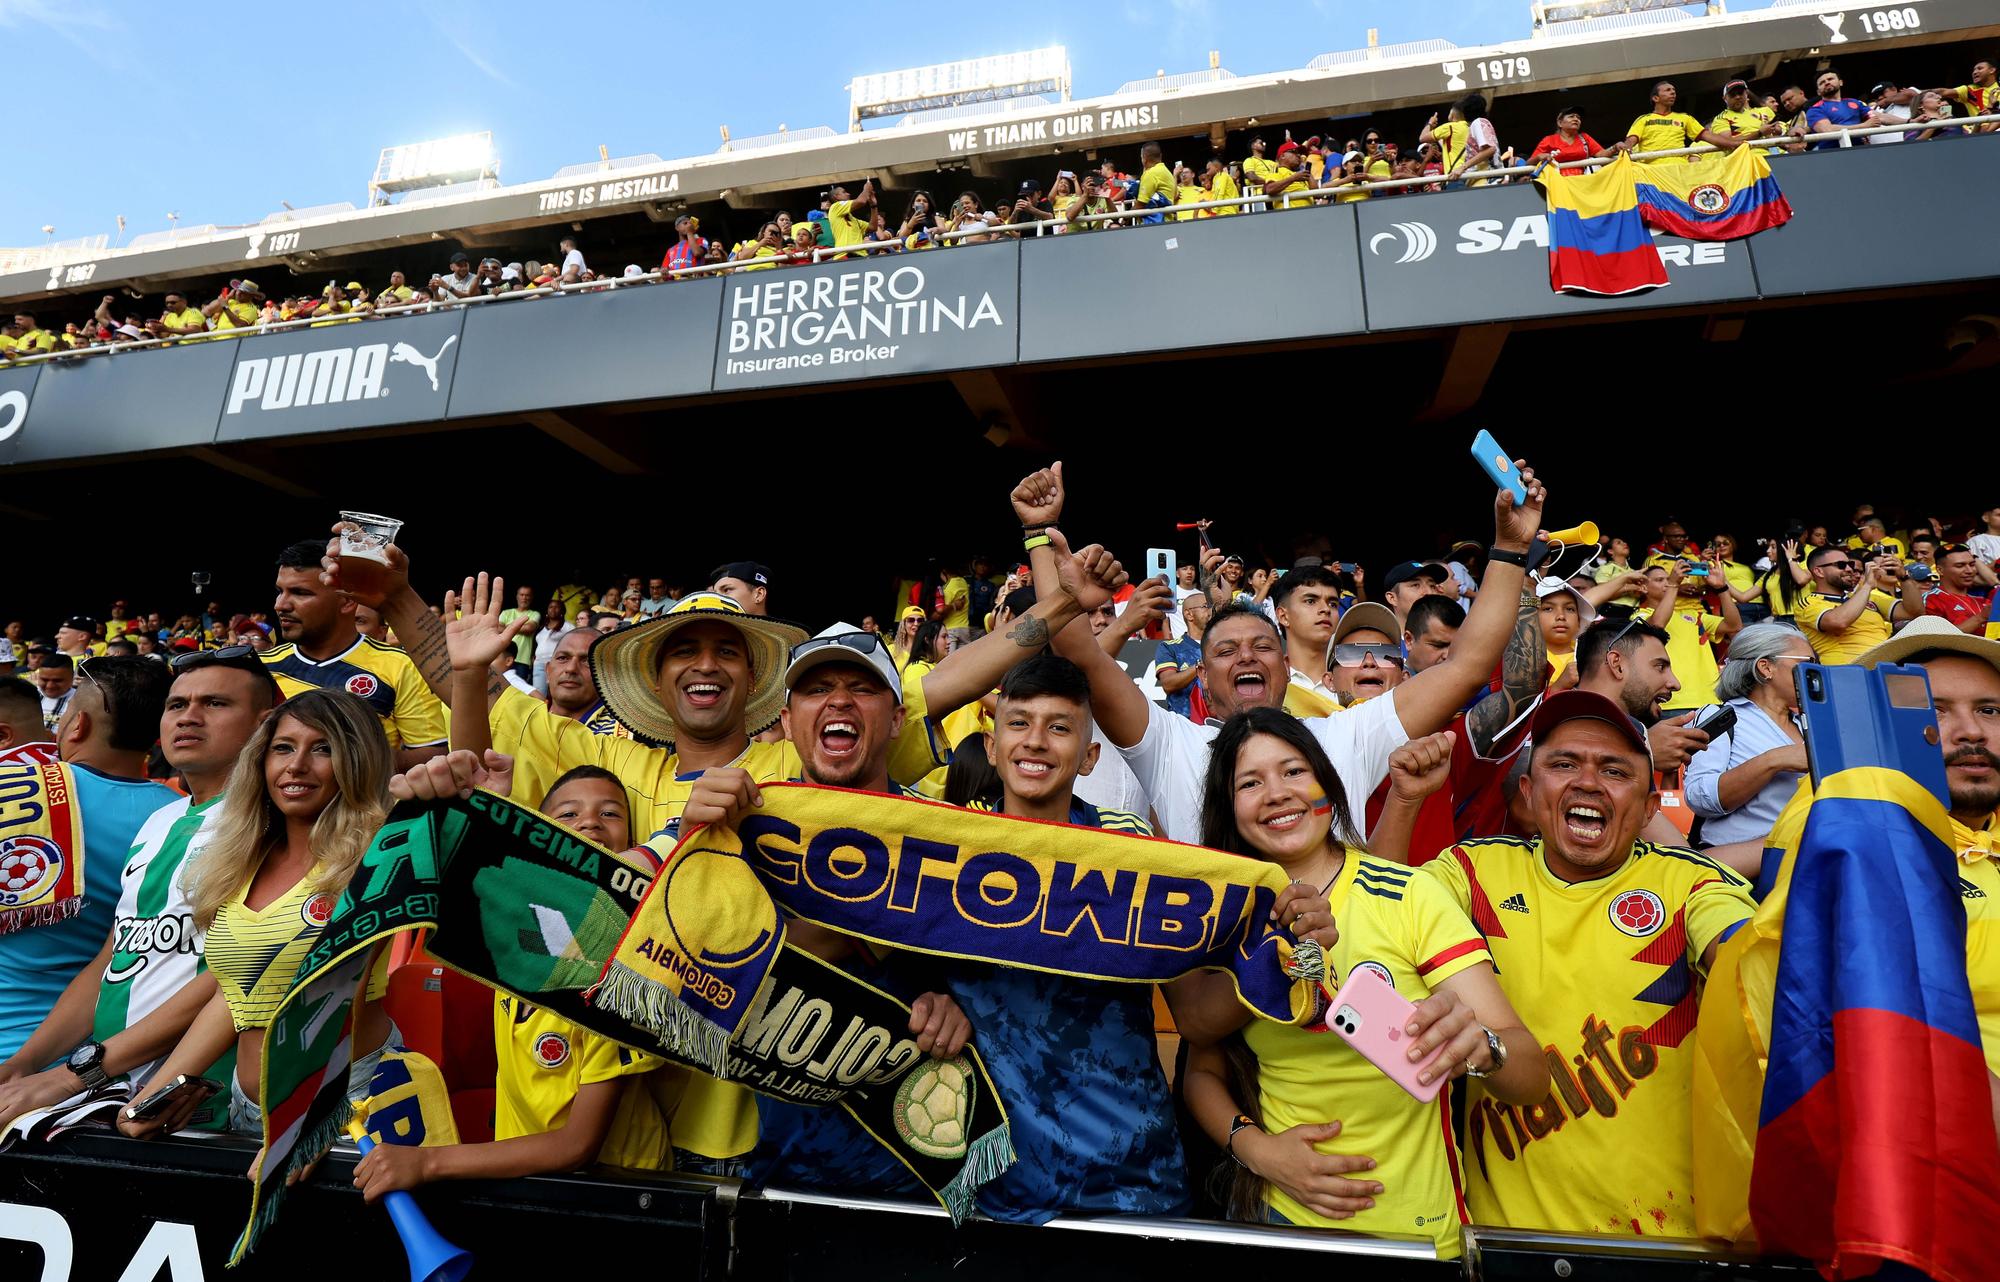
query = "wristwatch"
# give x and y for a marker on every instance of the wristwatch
(87, 1062)
(1498, 1049)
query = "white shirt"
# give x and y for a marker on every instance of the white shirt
(1177, 621)
(548, 639)
(1985, 546)
(459, 288)
(1111, 785)
(574, 258)
(1892, 116)
(1171, 759)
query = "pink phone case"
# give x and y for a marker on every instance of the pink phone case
(1369, 1015)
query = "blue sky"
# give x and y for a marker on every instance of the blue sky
(221, 111)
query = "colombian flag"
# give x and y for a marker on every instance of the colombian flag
(1719, 197)
(1840, 1093)
(1598, 237)
(1598, 242)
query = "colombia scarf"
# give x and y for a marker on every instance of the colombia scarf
(41, 846)
(303, 1081)
(537, 911)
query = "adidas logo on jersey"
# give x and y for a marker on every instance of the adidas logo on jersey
(1967, 890)
(1515, 903)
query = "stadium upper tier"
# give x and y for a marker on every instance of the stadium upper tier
(750, 174)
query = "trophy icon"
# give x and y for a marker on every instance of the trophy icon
(1455, 75)
(1833, 22)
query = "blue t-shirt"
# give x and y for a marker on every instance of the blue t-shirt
(1182, 654)
(1841, 111)
(40, 961)
(1076, 1063)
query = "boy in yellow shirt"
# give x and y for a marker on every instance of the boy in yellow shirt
(565, 1098)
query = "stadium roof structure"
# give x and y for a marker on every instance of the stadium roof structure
(1411, 74)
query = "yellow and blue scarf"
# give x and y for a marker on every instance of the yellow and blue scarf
(41, 846)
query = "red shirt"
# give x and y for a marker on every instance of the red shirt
(1952, 607)
(1582, 149)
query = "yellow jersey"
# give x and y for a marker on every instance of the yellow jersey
(1742, 124)
(1890, 544)
(255, 955)
(1979, 887)
(1190, 195)
(1223, 188)
(959, 590)
(185, 321)
(1605, 970)
(381, 676)
(1691, 633)
(1869, 628)
(234, 314)
(545, 1061)
(713, 1118)
(847, 228)
(1665, 133)
(1406, 928)
(1156, 180)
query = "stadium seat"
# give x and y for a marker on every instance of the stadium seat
(449, 1018)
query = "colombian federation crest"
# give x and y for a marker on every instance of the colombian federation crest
(551, 1050)
(30, 868)
(1638, 913)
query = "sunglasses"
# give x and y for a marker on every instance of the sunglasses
(1350, 654)
(862, 642)
(227, 654)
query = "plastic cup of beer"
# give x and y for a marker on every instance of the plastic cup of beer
(364, 550)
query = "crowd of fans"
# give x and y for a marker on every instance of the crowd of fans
(1463, 148)
(1454, 761)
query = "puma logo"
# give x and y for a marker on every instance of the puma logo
(429, 364)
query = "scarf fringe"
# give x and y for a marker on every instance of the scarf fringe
(309, 1148)
(986, 1158)
(651, 1005)
(40, 915)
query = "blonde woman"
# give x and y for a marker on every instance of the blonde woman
(307, 795)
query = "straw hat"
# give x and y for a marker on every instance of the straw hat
(626, 665)
(1930, 633)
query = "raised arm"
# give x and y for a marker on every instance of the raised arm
(1430, 699)
(1522, 668)
(968, 673)
(1115, 701)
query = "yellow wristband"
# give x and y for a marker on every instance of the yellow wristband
(1040, 540)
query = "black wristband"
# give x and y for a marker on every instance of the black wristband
(1036, 529)
(1507, 557)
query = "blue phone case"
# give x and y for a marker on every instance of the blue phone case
(1871, 717)
(1162, 562)
(1498, 464)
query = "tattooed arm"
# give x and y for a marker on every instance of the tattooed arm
(968, 673)
(1522, 666)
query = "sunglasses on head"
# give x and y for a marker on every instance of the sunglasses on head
(201, 658)
(1350, 654)
(865, 642)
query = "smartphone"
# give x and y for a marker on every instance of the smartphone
(1716, 721)
(1498, 465)
(1349, 567)
(1877, 716)
(1369, 1015)
(1161, 563)
(182, 1087)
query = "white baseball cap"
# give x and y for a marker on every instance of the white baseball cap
(845, 643)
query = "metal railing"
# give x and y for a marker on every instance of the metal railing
(1167, 214)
